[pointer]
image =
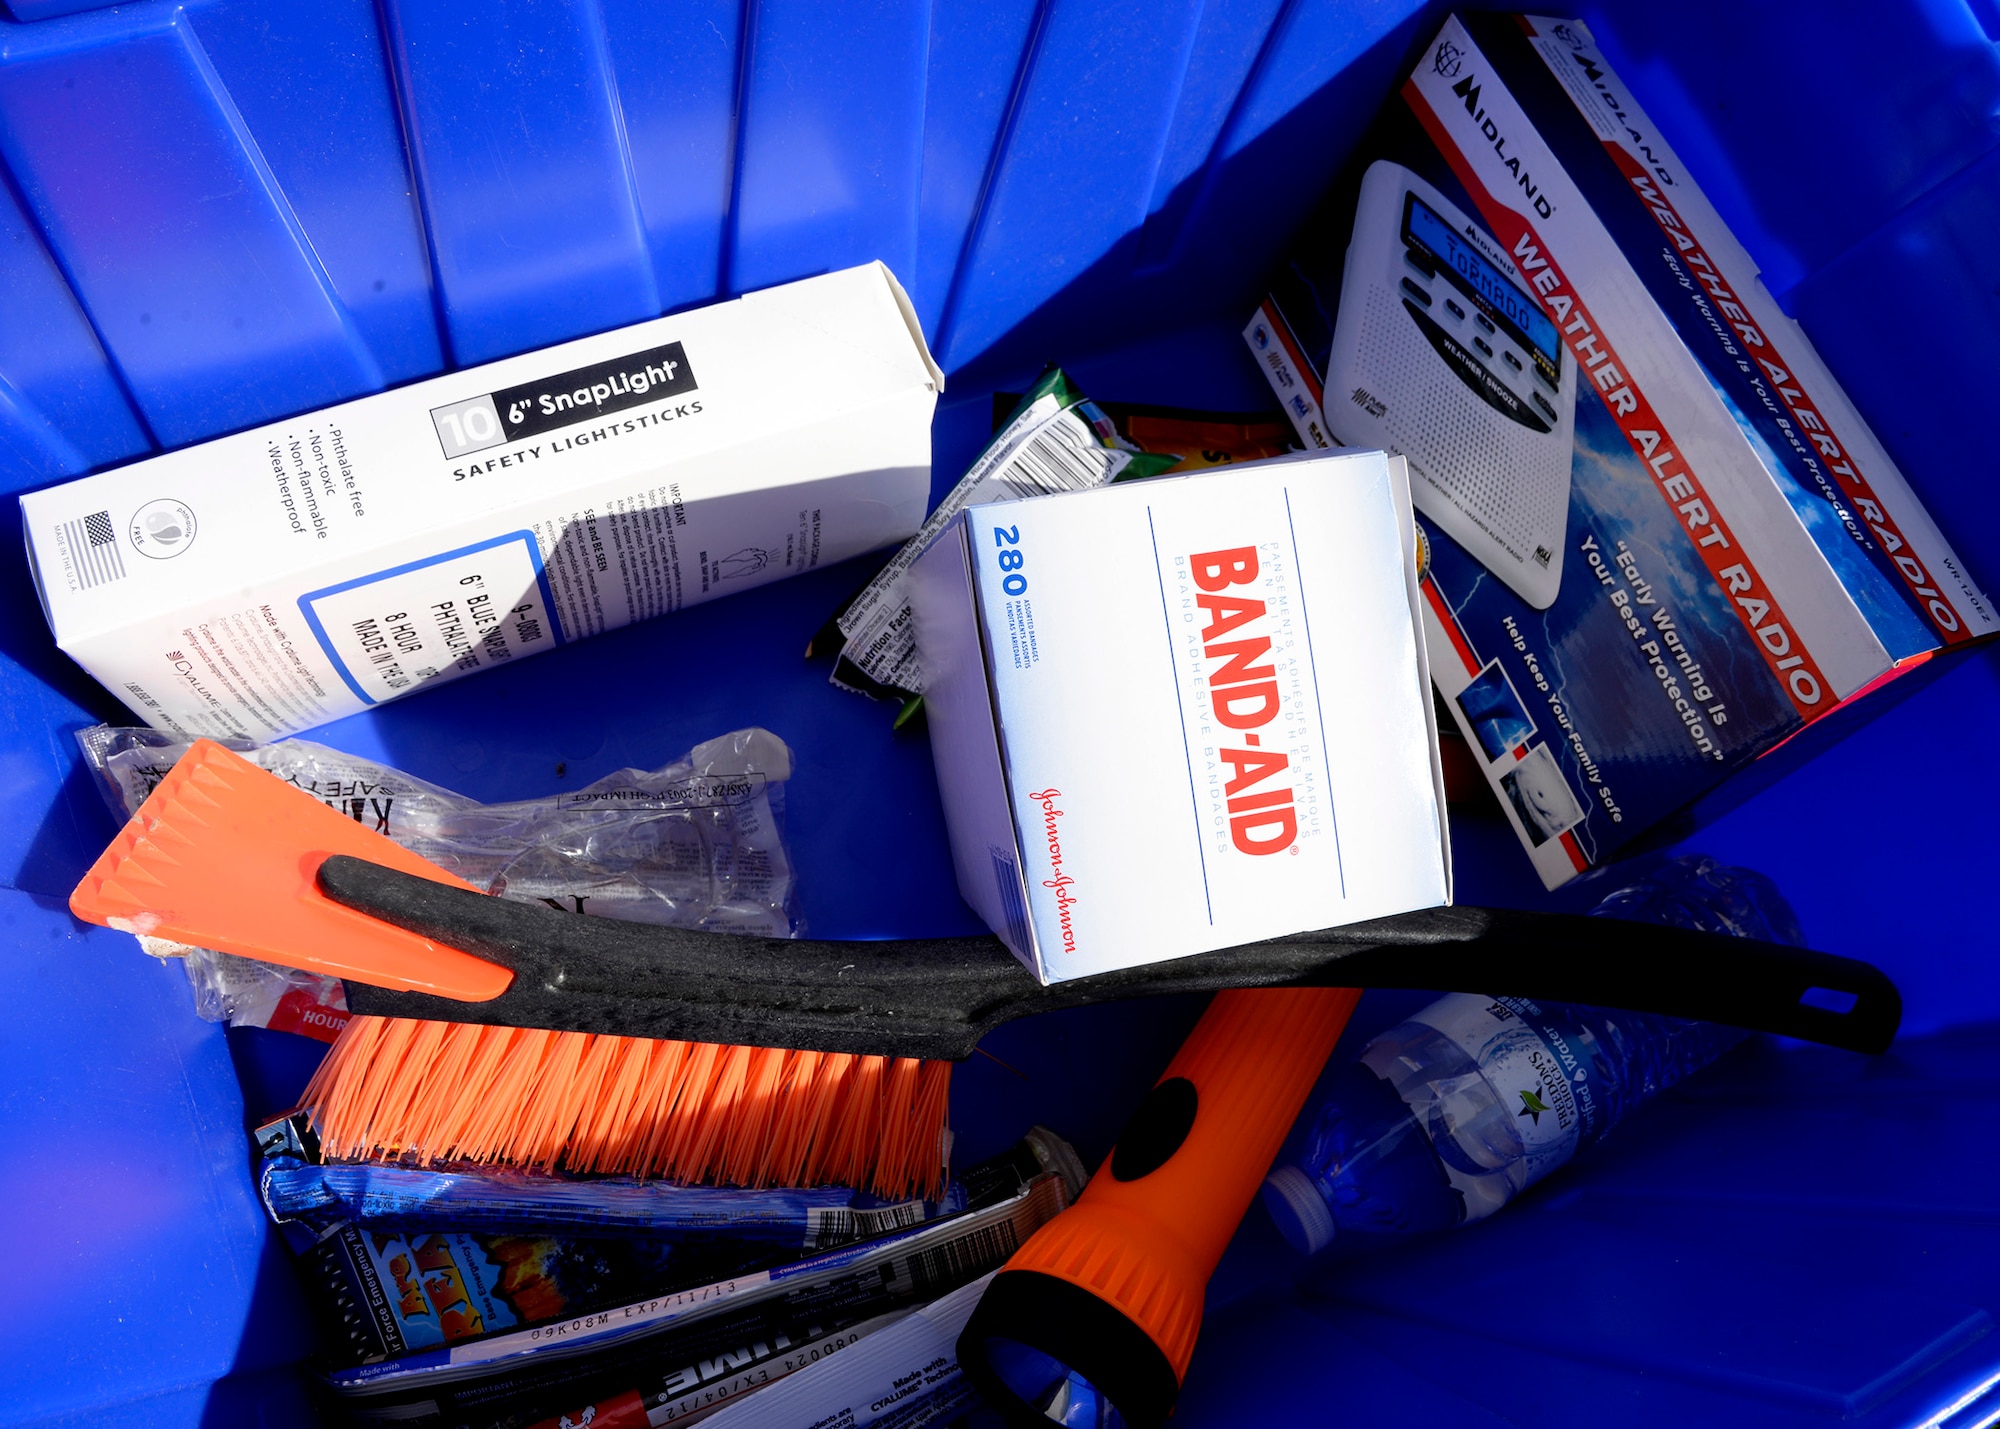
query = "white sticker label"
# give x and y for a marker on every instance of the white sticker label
(436, 619)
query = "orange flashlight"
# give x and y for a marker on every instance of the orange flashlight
(1094, 1319)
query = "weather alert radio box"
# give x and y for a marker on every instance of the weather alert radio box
(1176, 715)
(1660, 538)
(273, 580)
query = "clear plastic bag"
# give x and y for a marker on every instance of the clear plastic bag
(247, 993)
(698, 843)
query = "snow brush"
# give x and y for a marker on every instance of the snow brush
(489, 1030)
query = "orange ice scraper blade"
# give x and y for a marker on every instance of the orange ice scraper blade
(224, 855)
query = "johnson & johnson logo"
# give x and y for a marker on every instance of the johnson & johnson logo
(1057, 880)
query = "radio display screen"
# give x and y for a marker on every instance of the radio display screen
(1423, 229)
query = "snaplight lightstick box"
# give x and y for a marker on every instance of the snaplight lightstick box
(1182, 714)
(1659, 539)
(273, 580)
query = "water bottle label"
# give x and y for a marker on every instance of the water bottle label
(1539, 1069)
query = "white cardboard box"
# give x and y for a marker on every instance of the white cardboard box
(272, 580)
(1177, 715)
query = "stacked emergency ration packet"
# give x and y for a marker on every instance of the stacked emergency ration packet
(273, 580)
(1661, 539)
(1182, 714)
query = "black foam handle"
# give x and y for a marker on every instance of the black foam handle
(1642, 967)
(935, 997)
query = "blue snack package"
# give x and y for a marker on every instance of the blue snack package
(320, 1197)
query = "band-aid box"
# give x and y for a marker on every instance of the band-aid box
(1183, 714)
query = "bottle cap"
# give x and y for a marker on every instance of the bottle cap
(1298, 1210)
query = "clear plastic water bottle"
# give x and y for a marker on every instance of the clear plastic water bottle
(1450, 1115)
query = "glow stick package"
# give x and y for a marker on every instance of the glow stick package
(288, 575)
(1660, 538)
(698, 843)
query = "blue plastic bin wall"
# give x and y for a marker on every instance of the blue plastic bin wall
(220, 212)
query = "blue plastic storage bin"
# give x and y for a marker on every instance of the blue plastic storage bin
(219, 212)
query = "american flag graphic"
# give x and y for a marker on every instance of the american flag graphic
(93, 549)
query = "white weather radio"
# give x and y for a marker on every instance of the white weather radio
(1441, 355)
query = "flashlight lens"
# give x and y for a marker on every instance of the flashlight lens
(1051, 1388)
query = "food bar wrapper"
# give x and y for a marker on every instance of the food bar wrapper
(729, 1332)
(1055, 440)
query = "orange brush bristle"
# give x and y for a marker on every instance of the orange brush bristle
(224, 855)
(397, 1090)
